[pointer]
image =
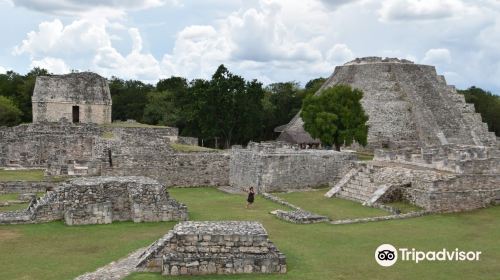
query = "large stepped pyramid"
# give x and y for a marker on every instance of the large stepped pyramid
(408, 105)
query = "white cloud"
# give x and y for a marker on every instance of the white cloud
(2, 70)
(339, 54)
(402, 10)
(135, 65)
(54, 65)
(53, 38)
(437, 56)
(263, 42)
(72, 7)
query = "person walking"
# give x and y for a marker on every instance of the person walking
(251, 197)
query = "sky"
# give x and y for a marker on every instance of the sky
(268, 40)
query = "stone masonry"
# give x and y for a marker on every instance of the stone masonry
(408, 105)
(77, 97)
(102, 200)
(270, 167)
(64, 148)
(226, 247)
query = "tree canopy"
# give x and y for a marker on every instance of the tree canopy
(9, 113)
(486, 104)
(336, 117)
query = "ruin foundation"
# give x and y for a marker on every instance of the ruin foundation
(226, 247)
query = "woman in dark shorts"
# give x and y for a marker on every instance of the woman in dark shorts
(251, 197)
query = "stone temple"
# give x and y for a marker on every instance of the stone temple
(408, 104)
(77, 97)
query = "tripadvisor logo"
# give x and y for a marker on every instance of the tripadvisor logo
(387, 255)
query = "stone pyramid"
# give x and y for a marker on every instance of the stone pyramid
(408, 104)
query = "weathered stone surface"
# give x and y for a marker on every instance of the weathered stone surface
(272, 167)
(26, 186)
(226, 247)
(408, 105)
(87, 149)
(56, 96)
(102, 200)
(431, 189)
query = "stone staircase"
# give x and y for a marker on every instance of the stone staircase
(358, 185)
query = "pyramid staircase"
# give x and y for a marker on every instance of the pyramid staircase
(358, 185)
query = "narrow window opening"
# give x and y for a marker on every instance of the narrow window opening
(76, 114)
(110, 159)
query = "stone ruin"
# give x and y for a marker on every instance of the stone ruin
(226, 247)
(277, 166)
(64, 148)
(408, 105)
(76, 97)
(102, 200)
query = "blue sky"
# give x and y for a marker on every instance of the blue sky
(271, 40)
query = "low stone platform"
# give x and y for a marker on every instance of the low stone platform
(225, 247)
(300, 216)
(102, 200)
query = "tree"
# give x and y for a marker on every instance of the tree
(486, 104)
(336, 117)
(129, 99)
(160, 109)
(10, 115)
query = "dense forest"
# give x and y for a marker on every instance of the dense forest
(227, 107)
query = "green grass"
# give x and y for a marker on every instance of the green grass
(318, 251)
(108, 135)
(8, 196)
(21, 175)
(190, 148)
(131, 124)
(334, 208)
(12, 207)
(364, 156)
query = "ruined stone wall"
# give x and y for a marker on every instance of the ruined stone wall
(226, 247)
(268, 168)
(55, 95)
(55, 112)
(102, 200)
(462, 159)
(175, 169)
(461, 193)
(25, 187)
(34, 145)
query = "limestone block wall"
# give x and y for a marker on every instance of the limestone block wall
(25, 187)
(226, 247)
(175, 169)
(56, 111)
(269, 169)
(34, 145)
(102, 200)
(432, 189)
(461, 193)
(462, 159)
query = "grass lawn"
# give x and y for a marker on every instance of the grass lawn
(364, 156)
(21, 175)
(318, 251)
(190, 148)
(334, 208)
(14, 196)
